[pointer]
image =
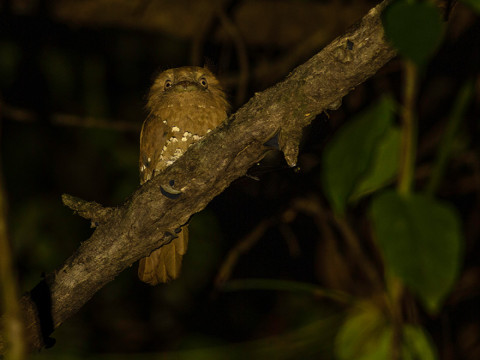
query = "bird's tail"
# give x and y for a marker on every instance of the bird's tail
(165, 263)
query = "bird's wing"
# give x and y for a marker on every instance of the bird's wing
(152, 140)
(163, 264)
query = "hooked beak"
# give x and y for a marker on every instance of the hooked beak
(186, 85)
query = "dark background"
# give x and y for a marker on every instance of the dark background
(73, 80)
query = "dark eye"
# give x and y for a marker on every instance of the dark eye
(203, 82)
(168, 84)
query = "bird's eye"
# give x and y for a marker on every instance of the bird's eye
(203, 82)
(168, 84)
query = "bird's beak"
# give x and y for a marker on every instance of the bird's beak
(183, 86)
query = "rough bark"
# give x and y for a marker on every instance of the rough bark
(148, 219)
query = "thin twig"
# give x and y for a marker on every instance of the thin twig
(196, 51)
(237, 38)
(357, 252)
(89, 210)
(290, 239)
(336, 271)
(312, 206)
(243, 246)
(27, 116)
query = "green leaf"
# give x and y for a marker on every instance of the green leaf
(384, 165)
(416, 344)
(421, 242)
(350, 153)
(414, 28)
(474, 4)
(365, 335)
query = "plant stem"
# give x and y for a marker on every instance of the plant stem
(11, 321)
(394, 297)
(285, 285)
(409, 129)
(404, 187)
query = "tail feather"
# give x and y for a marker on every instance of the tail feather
(164, 264)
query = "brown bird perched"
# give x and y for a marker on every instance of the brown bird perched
(184, 104)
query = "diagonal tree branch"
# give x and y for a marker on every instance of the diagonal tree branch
(148, 219)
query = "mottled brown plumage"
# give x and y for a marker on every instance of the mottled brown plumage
(184, 104)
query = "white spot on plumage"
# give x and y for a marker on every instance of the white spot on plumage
(186, 133)
(196, 137)
(184, 138)
(149, 159)
(209, 130)
(175, 129)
